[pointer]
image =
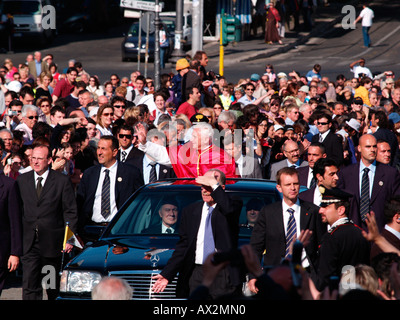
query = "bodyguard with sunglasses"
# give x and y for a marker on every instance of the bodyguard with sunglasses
(30, 116)
(332, 143)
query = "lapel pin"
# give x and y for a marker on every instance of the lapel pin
(380, 183)
(165, 170)
(119, 179)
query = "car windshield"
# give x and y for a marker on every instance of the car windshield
(143, 214)
(21, 7)
(170, 25)
(134, 31)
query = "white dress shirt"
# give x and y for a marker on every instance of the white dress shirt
(97, 217)
(44, 176)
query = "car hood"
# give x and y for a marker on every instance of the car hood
(134, 253)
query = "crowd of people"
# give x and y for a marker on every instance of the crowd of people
(74, 147)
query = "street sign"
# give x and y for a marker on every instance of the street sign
(141, 5)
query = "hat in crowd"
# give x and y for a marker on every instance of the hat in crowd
(255, 77)
(394, 117)
(281, 75)
(358, 100)
(353, 123)
(288, 127)
(93, 111)
(333, 195)
(305, 89)
(14, 86)
(198, 117)
(278, 127)
(182, 64)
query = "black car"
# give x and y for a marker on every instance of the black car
(126, 249)
(130, 44)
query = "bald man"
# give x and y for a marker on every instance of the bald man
(383, 182)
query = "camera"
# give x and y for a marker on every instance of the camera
(12, 113)
(9, 161)
(234, 256)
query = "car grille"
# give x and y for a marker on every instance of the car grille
(141, 282)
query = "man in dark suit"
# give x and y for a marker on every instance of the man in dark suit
(391, 230)
(104, 188)
(306, 177)
(383, 182)
(326, 175)
(127, 151)
(48, 201)
(168, 213)
(10, 228)
(333, 144)
(279, 223)
(206, 227)
(292, 153)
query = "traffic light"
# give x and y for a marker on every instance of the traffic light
(228, 29)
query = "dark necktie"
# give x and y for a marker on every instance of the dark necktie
(105, 195)
(291, 231)
(123, 156)
(321, 139)
(39, 186)
(364, 201)
(312, 182)
(153, 173)
(209, 245)
(168, 230)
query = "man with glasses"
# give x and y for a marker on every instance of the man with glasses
(292, 153)
(332, 143)
(119, 105)
(30, 117)
(127, 151)
(292, 114)
(248, 97)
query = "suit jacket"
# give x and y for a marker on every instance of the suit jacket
(386, 184)
(303, 175)
(49, 213)
(333, 147)
(269, 232)
(308, 195)
(10, 220)
(165, 172)
(251, 168)
(225, 225)
(130, 159)
(32, 68)
(275, 167)
(390, 237)
(128, 181)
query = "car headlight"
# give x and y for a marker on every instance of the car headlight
(79, 281)
(129, 45)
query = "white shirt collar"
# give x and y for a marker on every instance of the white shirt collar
(391, 230)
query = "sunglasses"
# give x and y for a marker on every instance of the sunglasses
(33, 117)
(322, 123)
(108, 114)
(128, 136)
(118, 106)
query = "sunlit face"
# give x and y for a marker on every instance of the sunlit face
(200, 139)
(383, 153)
(107, 117)
(105, 153)
(160, 103)
(7, 139)
(368, 148)
(206, 190)
(91, 130)
(313, 154)
(330, 177)
(40, 160)
(68, 152)
(329, 214)
(46, 81)
(31, 118)
(125, 138)
(289, 186)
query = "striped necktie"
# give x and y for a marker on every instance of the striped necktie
(364, 201)
(153, 173)
(105, 195)
(291, 231)
(123, 156)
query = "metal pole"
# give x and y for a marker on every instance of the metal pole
(147, 44)
(139, 40)
(221, 48)
(157, 66)
(196, 34)
(178, 52)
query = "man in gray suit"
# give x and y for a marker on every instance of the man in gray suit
(292, 153)
(247, 166)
